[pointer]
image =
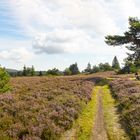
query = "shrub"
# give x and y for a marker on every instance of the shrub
(67, 71)
(42, 107)
(4, 80)
(129, 68)
(127, 93)
(47, 134)
(54, 72)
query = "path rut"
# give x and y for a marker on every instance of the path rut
(99, 131)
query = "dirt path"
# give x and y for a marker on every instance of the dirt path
(99, 131)
(99, 120)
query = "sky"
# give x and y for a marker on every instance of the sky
(57, 33)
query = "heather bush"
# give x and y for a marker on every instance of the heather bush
(42, 108)
(127, 92)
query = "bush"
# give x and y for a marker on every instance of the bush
(105, 67)
(129, 68)
(67, 71)
(127, 94)
(54, 72)
(41, 107)
(4, 80)
(95, 69)
(101, 67)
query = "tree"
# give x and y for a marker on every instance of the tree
(115, 63)
(67, 71)
(32, 71)
(129, 67)
(74, 69)
(28, 71)
(95, 69)
(4, 80)
(24, 73)
(54, 71)
(88, 69)
(131, 38)
(105, 67)
(40, 73)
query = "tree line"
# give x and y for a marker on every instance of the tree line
(73, 69)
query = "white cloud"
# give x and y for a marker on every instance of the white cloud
(37, 15)
(16, 55)
(63, 41)
(73, 26)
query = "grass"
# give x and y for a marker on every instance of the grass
(84, 125)
(113, 128)
(85, 122)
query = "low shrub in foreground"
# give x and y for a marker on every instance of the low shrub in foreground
(42, 108)
(127, 92)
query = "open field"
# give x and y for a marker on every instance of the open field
(71, 107)
(42, 108)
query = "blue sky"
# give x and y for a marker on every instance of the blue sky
(57, 33)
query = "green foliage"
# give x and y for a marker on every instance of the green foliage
(32, 71)
(115, 63)
(74, 69)
(67, 71)
(27, 71)
(129, 68)
(84, 124)
(95, 69)
(4, 80)
(48, 135)
(101, 68)
(105, 67)
(40, 73)
(88, 69)
(115, 40)
(24, 73)
(113, 128)
(130, 37)
(54, 71)
(4, 137)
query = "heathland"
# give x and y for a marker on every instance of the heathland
(95, 106)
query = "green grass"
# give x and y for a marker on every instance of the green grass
(84, 126)
(113, 127)
(85, 122)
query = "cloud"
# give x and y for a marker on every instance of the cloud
(72, 26)
(16, 55)
(35, 16)
(62, 41)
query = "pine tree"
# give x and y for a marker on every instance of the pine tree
(32, 71)
(131, 38)
(24, 73)
(88, 69)
(115, 63)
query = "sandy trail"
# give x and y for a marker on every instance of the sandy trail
(106, 125)
(99, 131)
